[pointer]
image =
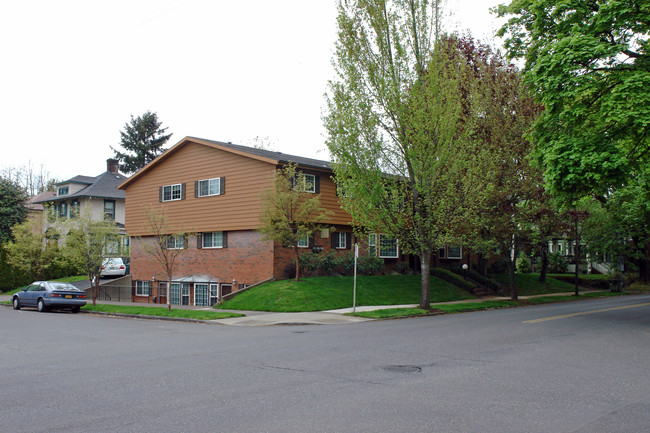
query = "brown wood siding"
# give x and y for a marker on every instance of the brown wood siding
(328, 198)
(238, 209)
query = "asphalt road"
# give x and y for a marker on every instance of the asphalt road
(494, 371)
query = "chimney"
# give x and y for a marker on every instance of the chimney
(112, 165)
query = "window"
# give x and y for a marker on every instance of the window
(172, 192)
(201, 294)
(175, 242)
(303, 242)
(388, 247)
(109, 210)
(212, 240)
(208, 187)
(310, 183)
(74, 209)
(63, 190)
(339, 240)
(62, 210)
(112, 245)
(143, 288)
(372, 244)
(175, 293)
(454, 252)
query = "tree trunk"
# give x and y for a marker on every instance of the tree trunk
(544, 268)
(297, 263)
(425, 270)
(511, 275)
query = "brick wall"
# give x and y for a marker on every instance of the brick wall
(247, 259)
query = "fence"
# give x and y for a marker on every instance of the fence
(118, 290)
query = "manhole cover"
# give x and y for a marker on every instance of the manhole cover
(402, 368)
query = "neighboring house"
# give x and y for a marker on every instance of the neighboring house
(35, 206)
(213, 190)
(98, 194)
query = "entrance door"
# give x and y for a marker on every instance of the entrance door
(201, 294)
(214, 294)
(185, 294)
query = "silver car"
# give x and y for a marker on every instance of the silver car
(50, 295)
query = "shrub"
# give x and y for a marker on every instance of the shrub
(369, 265)
(498, 267)
(523, 264)
(403, 268)
(450, 277)
(556, 263)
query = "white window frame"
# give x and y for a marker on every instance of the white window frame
(210, 235)
(340, 243)
(214, 181)
(215, 294)
(384, 256)
(176, 242)
(140, 287)
(308, 179)
(372, 244)
(460, 253)
(203, 286)
(303, 242)
(176, 188)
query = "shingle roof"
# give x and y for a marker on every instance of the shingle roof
(102, 186)
(279, 156)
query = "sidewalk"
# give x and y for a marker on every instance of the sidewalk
(265, 318)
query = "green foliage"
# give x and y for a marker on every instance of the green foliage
(451, 277)
(328, 293)
(528, 284)
(143, 139)
(523, 264)
(588, 62)
(331, 263)
(557, 263)
(289, 213)
(12, 208)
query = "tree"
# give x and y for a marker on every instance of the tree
(290, 215)
(33, 181)
(143, 139)
(503, 112)
(29, 252)
(86, 241)
(588, 62)
(157, 244)
(12, 207)
(397, 126)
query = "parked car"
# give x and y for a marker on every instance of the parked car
(46, 295)
(113, 267)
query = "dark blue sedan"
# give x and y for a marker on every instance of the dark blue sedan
(50, 295)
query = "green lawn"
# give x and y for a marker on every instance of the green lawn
(328, 293)
(528, 284)
(161, 312)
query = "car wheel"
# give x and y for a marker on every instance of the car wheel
(41, 305)
(16, 303)
(75, 309)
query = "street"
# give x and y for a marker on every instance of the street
(570, 367)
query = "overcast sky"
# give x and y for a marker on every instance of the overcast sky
(73, 71)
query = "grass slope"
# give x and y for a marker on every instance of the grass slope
(161, 312)
(528, 284)
(328, 293)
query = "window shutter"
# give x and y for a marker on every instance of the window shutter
(225, 239)
(183, 191)
(160, 193)
(199, 241)
(311, 241)
(348, 241)
(196, 188)
(333, 239)
(317, 186)
(222, 186)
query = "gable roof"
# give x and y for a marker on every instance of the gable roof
(102, 186)
(269, 156)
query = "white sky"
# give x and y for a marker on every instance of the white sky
(73, 71)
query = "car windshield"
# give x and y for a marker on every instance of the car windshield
(112, 262)
(64, 286)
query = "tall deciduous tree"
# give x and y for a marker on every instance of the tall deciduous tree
(29, 252)
(401, 143)
(290, 214)
(12, 207)
(86, 242)
(589, 63)
(143, 139)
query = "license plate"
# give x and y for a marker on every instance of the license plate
(68, 296)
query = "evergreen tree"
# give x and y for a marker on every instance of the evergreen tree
(12, 207)
(143, 139)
